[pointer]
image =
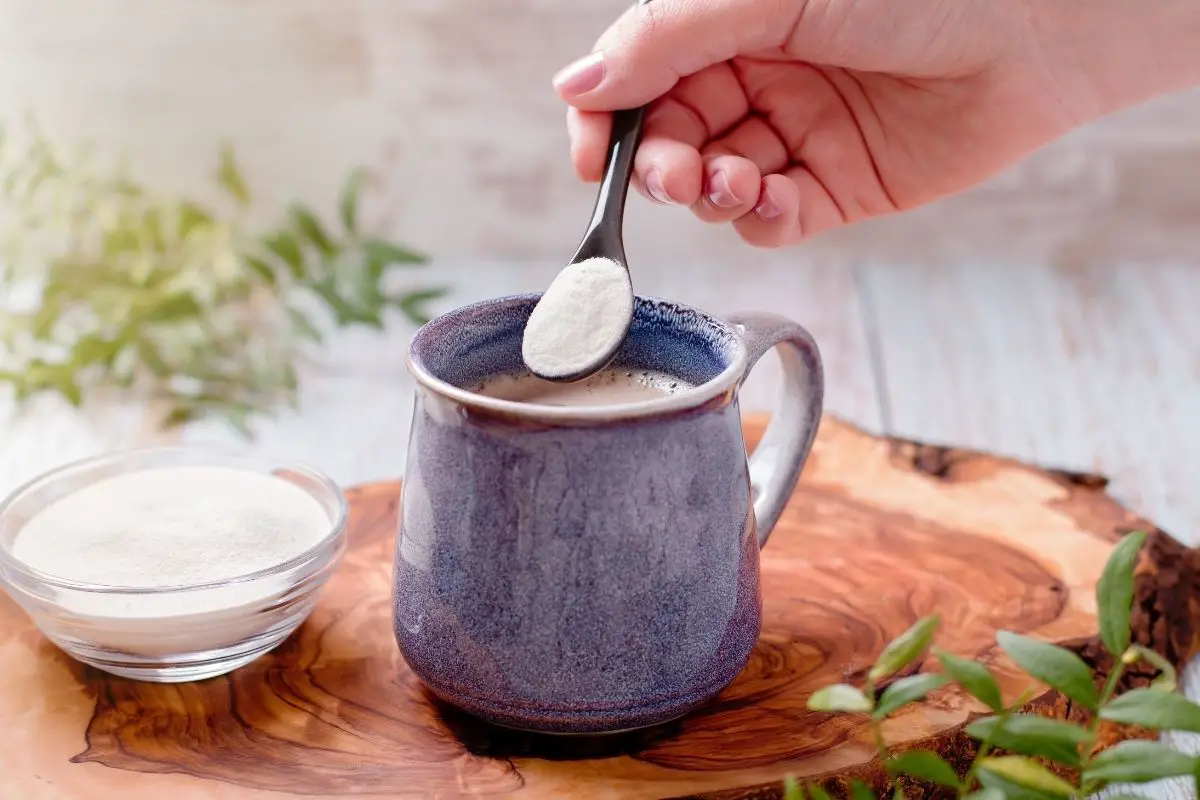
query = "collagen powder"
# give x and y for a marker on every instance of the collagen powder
(583, 316)
(172, 526)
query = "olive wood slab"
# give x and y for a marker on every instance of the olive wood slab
(879, 532)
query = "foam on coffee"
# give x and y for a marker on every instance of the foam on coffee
(606, 387)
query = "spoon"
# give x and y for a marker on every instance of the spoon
(582, 319)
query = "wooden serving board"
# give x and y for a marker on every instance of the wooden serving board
(879, 533)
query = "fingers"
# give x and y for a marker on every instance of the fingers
(756, 140)
(589, 132)
(652, 46)
(734, 166)
(792, 206)
(775, 220)
(731, 188)
(668, 171)
(668, 167)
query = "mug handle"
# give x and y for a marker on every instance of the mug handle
(776, 463)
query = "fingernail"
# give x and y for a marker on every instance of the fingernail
(720, 193)
(654, 185)
(767, 208)
(582, 76)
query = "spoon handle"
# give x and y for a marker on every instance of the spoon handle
(603, 237)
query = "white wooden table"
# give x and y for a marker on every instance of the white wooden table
(1091, 368)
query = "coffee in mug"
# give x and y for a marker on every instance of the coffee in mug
(606, 387)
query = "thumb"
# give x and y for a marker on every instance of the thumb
(645, 52)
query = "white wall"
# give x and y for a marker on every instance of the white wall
(448, 101)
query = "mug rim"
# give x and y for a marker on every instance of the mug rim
(683, 401)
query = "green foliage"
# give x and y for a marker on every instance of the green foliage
(974, 677)
(1167, 679)
(168, 300)
(924, 765)
(1154, 709)
(1055, 666)
(1139, 762)
(840, 697)
(1027, 774)
(905, 648)
(908, 690)
(1033, 736)
(1114, 593)
(860, 791)
(1016, 749)
(985, 794)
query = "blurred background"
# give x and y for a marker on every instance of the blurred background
(1050, 314)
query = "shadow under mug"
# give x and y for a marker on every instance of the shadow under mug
(592, 569)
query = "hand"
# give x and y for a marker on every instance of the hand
(792, 117)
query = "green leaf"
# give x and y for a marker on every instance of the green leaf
(860, 791)
(839, 697)
(1033, 736)
(898, 792)
(1027, 774)
(230, 177)
(174, 308)
(385, 253)
(152, 359)
(905, 648)
(1168, 679)
(908, 690)
(817, 792)
(1139, 762)
(1055, 666)
(986, 793)
(238, 419)
(344, 311)
(348, 203)
(180, 415)
(92, 349)
(285, 246)
(311, 229)
(192, 217)
(1114, 593)
(924, 765)
(263, 269)
(1009, 790)
(71, 391)
(1154, 709)
(974, 677)
(413, 304)
(305, 328)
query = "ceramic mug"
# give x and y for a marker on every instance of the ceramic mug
(589, 569)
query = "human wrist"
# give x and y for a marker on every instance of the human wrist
(1112, 54)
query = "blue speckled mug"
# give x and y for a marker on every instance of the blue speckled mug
(591, 569)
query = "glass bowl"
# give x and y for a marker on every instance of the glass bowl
(168, 634)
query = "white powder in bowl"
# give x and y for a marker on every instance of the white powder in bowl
(582, 317)
(172, 526)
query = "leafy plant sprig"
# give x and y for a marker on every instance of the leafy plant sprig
(1015, 749)
(109, 286)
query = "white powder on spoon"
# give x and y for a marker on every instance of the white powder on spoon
(581, 318)
(171, 526)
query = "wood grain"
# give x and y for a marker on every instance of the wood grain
(879, 533)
